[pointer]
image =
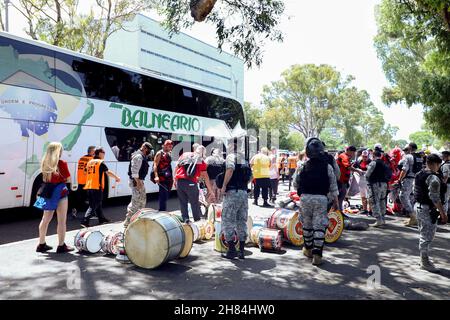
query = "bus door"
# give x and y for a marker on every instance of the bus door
(13, 157)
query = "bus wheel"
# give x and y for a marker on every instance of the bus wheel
(36, 185)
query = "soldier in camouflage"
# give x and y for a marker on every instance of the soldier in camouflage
(235, 204)
(445, 170)
(137, 171)
(429, 193)
(316, 182)
(377, 187)
(406, 181)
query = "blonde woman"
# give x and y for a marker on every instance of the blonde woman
(53, 196)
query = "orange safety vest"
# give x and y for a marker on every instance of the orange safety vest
(81, 172)
(292, 162)
(93, 179)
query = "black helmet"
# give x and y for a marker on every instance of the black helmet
(314, 148)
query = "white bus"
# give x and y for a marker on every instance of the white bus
(52, 94)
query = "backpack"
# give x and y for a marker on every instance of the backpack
(220, 176)
(387, 173)
(189, 163)
(418, 163)
(245, 174)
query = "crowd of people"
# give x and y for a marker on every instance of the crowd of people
(417, 185)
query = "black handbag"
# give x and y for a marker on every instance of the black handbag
(46, 190)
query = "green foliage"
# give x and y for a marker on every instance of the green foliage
(425, 138)
(244, 25)
(58, 22)
(294, 142)
(306, 97)
(309, 98)
(413, 44)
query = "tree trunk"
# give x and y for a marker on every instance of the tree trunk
(59, 24)
(446, 15)
(201, 8)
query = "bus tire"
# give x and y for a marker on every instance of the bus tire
(36, 185)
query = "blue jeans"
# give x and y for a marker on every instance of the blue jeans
(164, 192)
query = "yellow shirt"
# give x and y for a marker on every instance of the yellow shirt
(261, 166)
(292, 162)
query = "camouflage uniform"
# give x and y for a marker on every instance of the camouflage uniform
(377, 194)
(138, 196)
(377, 199)
(314, 216)
(138, 201)
(446, 173)
(235, 214)
(407, 184)
(235, 207)
(427, 228)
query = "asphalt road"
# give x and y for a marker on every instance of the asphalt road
(204, 274)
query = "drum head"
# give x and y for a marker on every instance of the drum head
(295, 231)
(146, 243)
(189, 239)
(209, 230)
(93, 241)
(282, 218)
(254, 234)
(196, 231)
(211, 213)
(335, 226)
(249, 228)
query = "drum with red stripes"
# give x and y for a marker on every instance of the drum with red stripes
(111, 242)
(269, 239)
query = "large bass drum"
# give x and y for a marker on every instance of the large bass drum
(153, 239)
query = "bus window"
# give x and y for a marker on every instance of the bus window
(125, 142)
(26, 65)
(78, 76)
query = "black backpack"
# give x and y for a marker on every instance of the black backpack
(189, 163)
(240, 178)
(418, 163)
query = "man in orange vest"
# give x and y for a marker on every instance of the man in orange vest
(95, 183)
(292, 165)
(78, 198)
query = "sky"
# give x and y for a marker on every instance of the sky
(339, 33)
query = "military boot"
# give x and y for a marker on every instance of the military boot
(426, 264)
(241, 253)
(307, 252)
(317, 260)
(231, 253)
(377, 224)
(412, 221)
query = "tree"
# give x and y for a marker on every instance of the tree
(59, 23)
(2, 24)
(306, 97)
(422, 138)
(413, 43)
(242, 24)
(294, 142)
(252, 116)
